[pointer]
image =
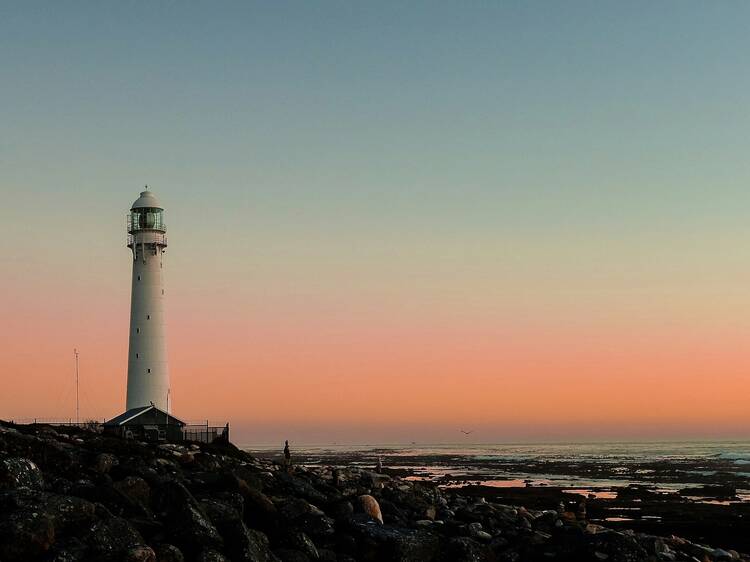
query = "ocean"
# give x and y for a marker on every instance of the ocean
(591, 467)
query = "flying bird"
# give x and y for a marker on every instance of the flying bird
(467, 432)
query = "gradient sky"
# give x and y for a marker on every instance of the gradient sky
(386, 221)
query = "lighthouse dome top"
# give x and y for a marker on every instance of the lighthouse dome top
(147, 200)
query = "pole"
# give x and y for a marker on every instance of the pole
(78, 411)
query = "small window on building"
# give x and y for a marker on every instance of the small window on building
(149, 370)
(148, 317)
(139, 278)
(137, 330)
(136, 356)
(162, 291)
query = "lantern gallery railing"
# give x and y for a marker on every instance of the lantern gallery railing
(148, 237)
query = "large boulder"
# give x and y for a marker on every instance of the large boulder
(20, 473)
(168, 553)
(385, 543)
(260, 512)
(298, 542)
(371, 507)
(305, 516)
(25, 537)
(186, 523)
(135, 488)
(241, 544)
(31, 521)
(211, 555)
(116, 539)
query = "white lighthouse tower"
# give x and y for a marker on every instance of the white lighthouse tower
(148, 373)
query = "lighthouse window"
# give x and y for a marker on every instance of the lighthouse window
(137, 330)
(149, 370)
(139, 278)
(148, 317)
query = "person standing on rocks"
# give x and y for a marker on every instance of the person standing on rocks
(287, 456)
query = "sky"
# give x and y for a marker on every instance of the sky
(388, 221)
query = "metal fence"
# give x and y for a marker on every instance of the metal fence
(205, 433)
(196, 432)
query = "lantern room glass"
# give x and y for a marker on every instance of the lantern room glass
(147, 219)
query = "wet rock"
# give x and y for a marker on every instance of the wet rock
(113, 539)
(299, 541)
(211, 555)
(341, 510)
(290, 555)
(241, 544)
(305, 516)
(260, 512)
(140, 553)
(168, 553)
(463, 549)
(380, 542)
(104, 462)
(135, 488)
(616, 547)
(187, 524)
(25, 536)
(20, 473)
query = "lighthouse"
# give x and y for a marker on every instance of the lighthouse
(148, 372)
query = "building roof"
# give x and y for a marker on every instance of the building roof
(131, 416)
(147, 200)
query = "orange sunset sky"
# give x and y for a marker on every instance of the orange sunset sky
(386, 225)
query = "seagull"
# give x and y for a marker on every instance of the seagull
(466, 432)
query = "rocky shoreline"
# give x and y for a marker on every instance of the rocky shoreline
(69, 495)
(701, 498)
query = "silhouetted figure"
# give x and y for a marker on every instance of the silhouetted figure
(379, 466)
(287, 456)
(582, 510)
(336, 474)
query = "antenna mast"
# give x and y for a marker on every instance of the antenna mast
(78, 417)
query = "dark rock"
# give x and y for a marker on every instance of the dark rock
(140, 553)
(168, 553)
(616, 547)
(114, 539)
(104, 462)
(291, 555)
(31, 521)
(302, 489)
(70, 549)
(188, 526)
(305, 516)
(20, 473)
(326, 555)
(25, 537)
(340, 510)
(109, 496)
(136, 489)
(241, 543)
(260, 512)
(382, 542)
(297, 540)
(211, 555)
(463, 549)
